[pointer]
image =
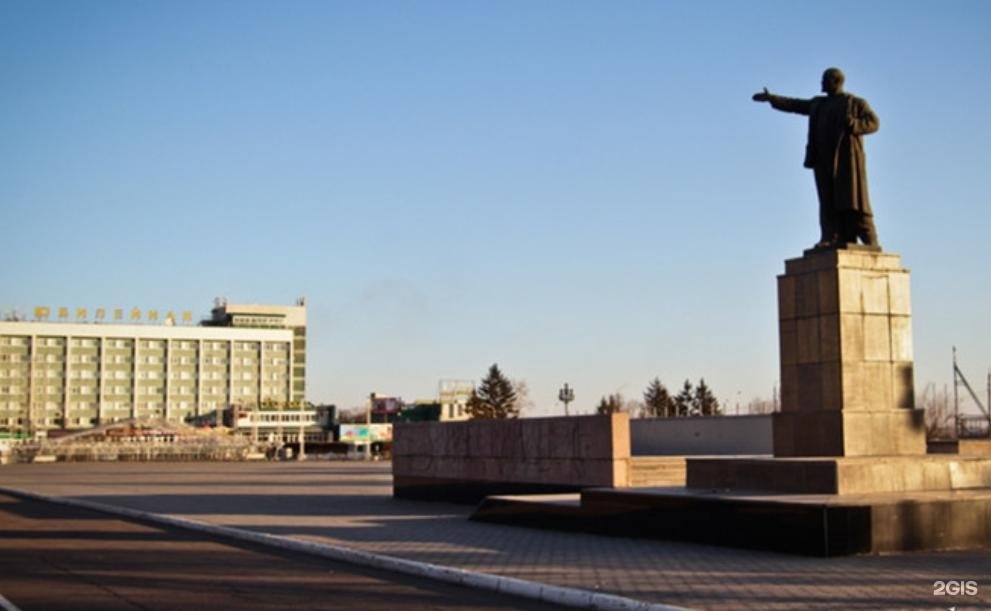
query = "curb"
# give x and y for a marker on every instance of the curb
(558, 595)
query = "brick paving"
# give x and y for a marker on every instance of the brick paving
(350, 504)
(55, 556)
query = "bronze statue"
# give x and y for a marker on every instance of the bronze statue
(835, 152)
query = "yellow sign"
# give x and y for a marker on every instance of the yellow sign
(43, 312)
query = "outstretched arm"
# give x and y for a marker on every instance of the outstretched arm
(778, 102)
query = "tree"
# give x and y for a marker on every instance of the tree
(494, 398)
(704, 403)
(683, 402)
(613, 404)
(940, 418)
(523, 400)
(657, 400)
(760, 405)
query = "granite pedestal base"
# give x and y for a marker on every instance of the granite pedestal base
(850, 475)
(893, 432)
(813, 525)
(850, 472)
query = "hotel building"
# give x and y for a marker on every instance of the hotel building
(75, 375)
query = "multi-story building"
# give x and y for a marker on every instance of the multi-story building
(454, 396)
(78, 374)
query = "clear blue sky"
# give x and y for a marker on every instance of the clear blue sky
(579, 191)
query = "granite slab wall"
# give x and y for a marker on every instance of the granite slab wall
(706, 435)
(465, 461)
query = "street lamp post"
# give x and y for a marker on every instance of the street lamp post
(566, 395)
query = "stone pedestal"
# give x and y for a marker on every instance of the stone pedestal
(846, 357)
(850, 472)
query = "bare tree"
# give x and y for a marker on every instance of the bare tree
(760, 405)
(523, 401)
(940, 418)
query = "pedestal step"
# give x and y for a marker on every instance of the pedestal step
(851, 475)
(657, 471)
(816, 525)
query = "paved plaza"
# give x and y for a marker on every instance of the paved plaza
(55, 556)
(350, 504)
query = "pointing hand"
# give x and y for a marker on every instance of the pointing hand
(763, 96)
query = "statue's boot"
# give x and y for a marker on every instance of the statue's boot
(866, 231)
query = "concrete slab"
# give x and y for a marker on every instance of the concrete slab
(815, 524)
(843, 475)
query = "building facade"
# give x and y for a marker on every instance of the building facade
(56, 375)
(454, 396)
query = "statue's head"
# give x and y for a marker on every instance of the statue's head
(832, 80)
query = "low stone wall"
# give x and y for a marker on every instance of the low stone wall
(698, 436)
(466, 461)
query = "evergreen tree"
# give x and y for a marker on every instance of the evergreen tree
(613, 404)
(683, 402)
(657, 400)
(704, 403)
(494, 397)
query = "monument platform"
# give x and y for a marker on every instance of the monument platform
(841, 475)
(808, 524)
(850, 473)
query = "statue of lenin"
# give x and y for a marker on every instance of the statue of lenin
(835, 152)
